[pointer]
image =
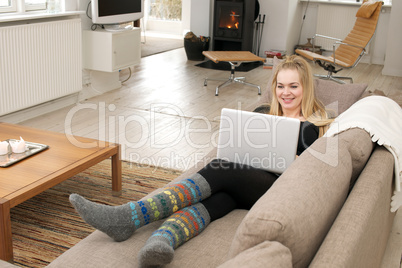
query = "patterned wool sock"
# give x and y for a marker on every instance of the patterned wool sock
(120, 222)
(175, 231)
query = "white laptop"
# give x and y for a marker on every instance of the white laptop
(260, 140)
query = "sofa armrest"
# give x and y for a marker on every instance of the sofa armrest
(299, 209)
(265, 255)
(359, 235)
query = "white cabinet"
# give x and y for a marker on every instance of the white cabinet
(109, 51)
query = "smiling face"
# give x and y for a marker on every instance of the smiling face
(289, 92)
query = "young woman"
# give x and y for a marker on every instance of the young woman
(220, 187)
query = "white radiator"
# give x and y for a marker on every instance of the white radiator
(334, 21)
(39, 62)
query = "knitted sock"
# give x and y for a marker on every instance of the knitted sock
(175, 231)
(120, 222)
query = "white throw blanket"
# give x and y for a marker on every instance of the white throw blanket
(381, 117)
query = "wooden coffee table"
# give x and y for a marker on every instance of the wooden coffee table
(65, 157)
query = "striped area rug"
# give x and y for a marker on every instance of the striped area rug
(47, 225)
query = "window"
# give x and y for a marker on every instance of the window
(4, 3)
(35, 4)
(8, 6)
(25, 5)
(165, 10)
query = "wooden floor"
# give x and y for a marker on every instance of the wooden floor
(164, 116)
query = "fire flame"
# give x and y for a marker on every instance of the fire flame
(235, 22)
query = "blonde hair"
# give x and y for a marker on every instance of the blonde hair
(311, 108)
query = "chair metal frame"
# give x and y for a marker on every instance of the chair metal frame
(331, 67)
(232, 79)
(235, 59)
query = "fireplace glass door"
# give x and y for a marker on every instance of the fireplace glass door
(230, 19)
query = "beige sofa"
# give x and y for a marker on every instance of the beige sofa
(331, 208)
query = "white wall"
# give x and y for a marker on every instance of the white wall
(186, 16)
(70, 5)
(275, 31)
(393, 57)
(202, 9)
(85, 21)
(294, 24)
(282, 25)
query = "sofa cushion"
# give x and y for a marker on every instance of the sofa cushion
(316, 184)
(279, 257)
(338, 97)
(100, 251)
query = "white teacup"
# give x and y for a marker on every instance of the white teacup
(3, 148)
(18, 146)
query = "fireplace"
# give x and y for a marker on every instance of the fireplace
(229, 20)
(234, 24)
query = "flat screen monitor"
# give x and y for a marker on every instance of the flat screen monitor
(116, 11)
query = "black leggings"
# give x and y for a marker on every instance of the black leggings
(234, 186)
